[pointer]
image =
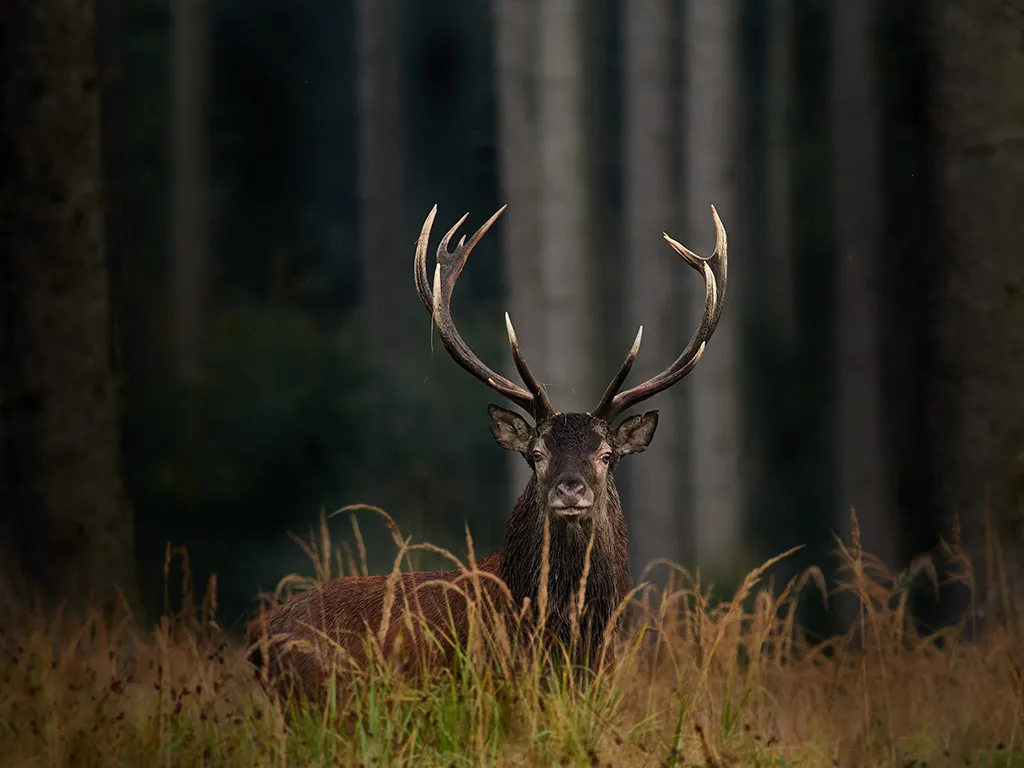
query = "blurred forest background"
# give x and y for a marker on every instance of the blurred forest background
(211, 334)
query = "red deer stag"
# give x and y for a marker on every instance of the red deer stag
(571, 493)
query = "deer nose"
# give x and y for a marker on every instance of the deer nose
(572, 486)
(570, 495)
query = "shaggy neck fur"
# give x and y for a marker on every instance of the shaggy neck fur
(608, 577)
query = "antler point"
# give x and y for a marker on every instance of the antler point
(636, 342)
(512, 340)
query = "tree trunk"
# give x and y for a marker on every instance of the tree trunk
(515, 25)
(711, 145)
(663, 521)
(978, 113)
(777, 289)
(190, 180)
(383, 242)
(565, 268)
(66, 528)
(864, 482)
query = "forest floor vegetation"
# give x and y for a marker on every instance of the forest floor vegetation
(694, 682)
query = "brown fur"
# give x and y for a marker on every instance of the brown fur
(302, 638)
(339, 613)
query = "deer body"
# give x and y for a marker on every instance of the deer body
(570, 508)
(344, 611)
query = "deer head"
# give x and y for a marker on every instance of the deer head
(572, 455)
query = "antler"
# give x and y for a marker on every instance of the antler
(715, 272)
(437, 299)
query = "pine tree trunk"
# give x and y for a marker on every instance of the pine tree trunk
(65, 526)
(662, 521)
(565, 269)
(190, 181)
(864, 483)
(383, 241)
(978, 114)
(712, 114)
(777, 288)
(516, 69)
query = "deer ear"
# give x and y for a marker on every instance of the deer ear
(510, 429)
(634, 434)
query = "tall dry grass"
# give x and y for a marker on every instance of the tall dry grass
(691, 682)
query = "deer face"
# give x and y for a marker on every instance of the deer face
(572, 455)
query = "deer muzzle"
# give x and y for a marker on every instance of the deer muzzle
(571, 496)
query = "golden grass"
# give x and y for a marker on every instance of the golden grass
(694, 683)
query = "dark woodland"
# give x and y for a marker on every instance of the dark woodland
(209, 331)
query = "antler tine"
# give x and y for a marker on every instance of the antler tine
(420, 262)
(714, 270)
(627, 364)
(457, 257)
(541, 402)
(717, 260)
(437, 297)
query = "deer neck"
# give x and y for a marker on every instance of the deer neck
(522, 555)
